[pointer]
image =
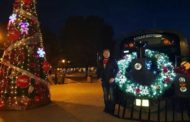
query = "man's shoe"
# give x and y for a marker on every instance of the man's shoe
(106, 110)
(111, 112)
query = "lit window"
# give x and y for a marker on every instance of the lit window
(143, 102)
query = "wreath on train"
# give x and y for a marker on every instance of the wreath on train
(152, 86)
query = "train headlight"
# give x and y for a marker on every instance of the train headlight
(138, 66)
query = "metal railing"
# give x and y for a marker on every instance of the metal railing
(166, 109)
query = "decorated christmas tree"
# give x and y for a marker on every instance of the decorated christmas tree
(23, 68)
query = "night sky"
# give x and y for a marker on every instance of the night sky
(125, 16)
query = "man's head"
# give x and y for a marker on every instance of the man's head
(106, 53)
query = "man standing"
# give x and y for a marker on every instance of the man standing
(106, 72)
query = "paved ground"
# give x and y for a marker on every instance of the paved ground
(71, 102)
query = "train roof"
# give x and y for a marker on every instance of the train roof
(153, 36)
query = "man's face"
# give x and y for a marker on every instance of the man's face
(106, 53)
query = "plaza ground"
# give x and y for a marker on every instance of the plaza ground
(71, 102)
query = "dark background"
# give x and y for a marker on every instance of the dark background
(78, 29)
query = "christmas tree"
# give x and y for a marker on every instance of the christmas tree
(23, 67)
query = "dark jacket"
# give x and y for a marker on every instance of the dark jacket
(108, 72)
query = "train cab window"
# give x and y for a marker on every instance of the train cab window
(166, 42)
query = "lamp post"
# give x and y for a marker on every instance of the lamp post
(63, 61)
(59, 74)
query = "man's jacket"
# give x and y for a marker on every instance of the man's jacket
(107, 72)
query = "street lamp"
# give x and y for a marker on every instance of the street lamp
(63, 61)
(63, 75)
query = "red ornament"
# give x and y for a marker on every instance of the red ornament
(138, 91)
(37, 98)
(14, 35)
(46, 66)
(2, 103)
(22, 81)
(27, 2)
(1, 72)
(165, 69)
(3, 84)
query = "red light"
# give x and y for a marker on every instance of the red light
(167, 42)
(129, 45)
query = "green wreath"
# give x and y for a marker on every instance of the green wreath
(163, 80)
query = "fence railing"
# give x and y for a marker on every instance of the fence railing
(167, 109)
